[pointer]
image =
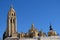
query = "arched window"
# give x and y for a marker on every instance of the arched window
(11, 20)
(12, 14)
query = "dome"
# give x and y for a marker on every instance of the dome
(33, 29)
(51, 32)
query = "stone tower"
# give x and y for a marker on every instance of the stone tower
(11, 30)
(11, 22)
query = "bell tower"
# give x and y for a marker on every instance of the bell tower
(11, 22)
(11, 30)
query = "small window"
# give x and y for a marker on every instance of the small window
(12, 14)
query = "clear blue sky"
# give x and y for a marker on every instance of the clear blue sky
(39, 12)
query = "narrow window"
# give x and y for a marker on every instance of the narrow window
(12, 14)
(11, 20)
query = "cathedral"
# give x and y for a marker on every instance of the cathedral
(32, 34)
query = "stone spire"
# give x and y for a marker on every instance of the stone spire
(11, 11)
(11, 8)
(51, 27)
(32, 26)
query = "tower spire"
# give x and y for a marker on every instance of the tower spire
(11, 11)
(32, 26)
(11, 6)
(51, 27)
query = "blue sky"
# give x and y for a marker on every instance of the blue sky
(39, 12)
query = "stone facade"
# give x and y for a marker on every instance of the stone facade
(37, 38)
(50, 38)
(10, 38)
(33, 34)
